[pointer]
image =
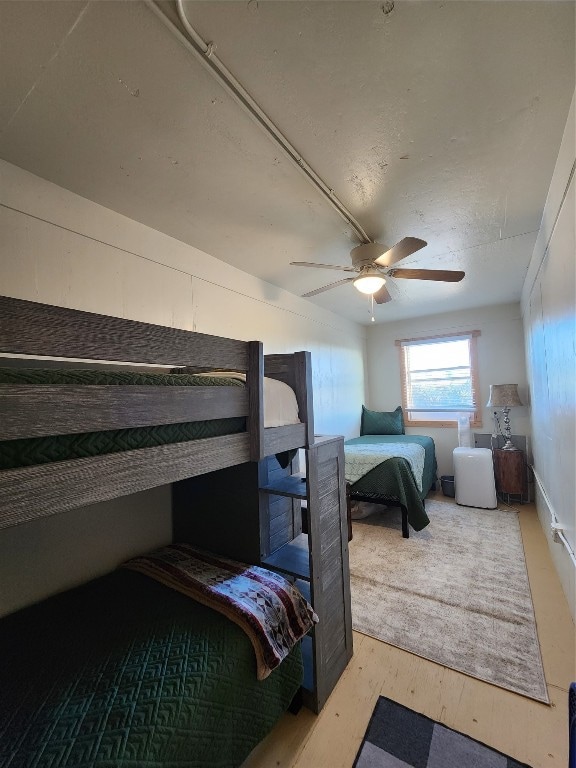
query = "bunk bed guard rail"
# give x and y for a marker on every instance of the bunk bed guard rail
(40, 330)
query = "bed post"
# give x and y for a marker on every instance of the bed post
(303, 389)
(295, 369)
(255, 383)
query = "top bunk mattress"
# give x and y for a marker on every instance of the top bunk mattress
(282, 409)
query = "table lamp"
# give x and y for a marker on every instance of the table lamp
(505, 396)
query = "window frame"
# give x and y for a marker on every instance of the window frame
(476, 415)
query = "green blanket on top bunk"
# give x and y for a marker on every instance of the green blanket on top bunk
(126, 672)
(73, 377)
(43, 450)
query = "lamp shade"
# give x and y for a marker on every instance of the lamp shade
(369, 282)
(503, 396)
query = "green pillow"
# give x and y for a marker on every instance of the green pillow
(382, 422)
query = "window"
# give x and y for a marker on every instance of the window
(440, 379)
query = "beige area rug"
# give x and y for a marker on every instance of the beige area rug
(456, 593)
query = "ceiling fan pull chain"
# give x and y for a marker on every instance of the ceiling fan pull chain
(372, 307)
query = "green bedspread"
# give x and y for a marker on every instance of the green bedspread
(73, 377)
(42, 450)
(126, 673)
(393, 482)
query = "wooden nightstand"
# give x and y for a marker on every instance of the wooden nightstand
(510, 472)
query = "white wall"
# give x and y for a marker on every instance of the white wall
(53, 553)
(500, 361)
(59, 248)
(549, 311)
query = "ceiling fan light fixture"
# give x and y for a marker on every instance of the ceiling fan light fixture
(369, 283)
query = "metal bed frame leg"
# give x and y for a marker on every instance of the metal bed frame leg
(405, 527)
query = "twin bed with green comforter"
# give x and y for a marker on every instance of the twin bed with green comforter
(392, 481)
(125, 672)
(42, 450)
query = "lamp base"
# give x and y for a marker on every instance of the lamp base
(508, 446)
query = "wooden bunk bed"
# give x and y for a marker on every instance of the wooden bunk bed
(121, 633)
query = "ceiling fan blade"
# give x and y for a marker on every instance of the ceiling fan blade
(321, 266)
(441, 275)
(328, 287)
(405, 247)
(382, 296)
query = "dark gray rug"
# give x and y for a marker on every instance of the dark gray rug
(398, 737)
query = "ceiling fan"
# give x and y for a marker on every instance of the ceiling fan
(374, 264)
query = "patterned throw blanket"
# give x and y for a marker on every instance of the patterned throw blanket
(267, 607)
(361, 459)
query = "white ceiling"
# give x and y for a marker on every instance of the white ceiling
(440, 120)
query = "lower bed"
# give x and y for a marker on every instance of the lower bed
(392, 481)
(124, 672)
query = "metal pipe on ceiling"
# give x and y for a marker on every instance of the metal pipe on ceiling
(204, 52)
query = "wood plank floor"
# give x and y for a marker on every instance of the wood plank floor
(527, 730)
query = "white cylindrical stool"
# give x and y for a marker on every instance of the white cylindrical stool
(474, 477)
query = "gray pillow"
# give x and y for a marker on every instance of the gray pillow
(382, 422)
